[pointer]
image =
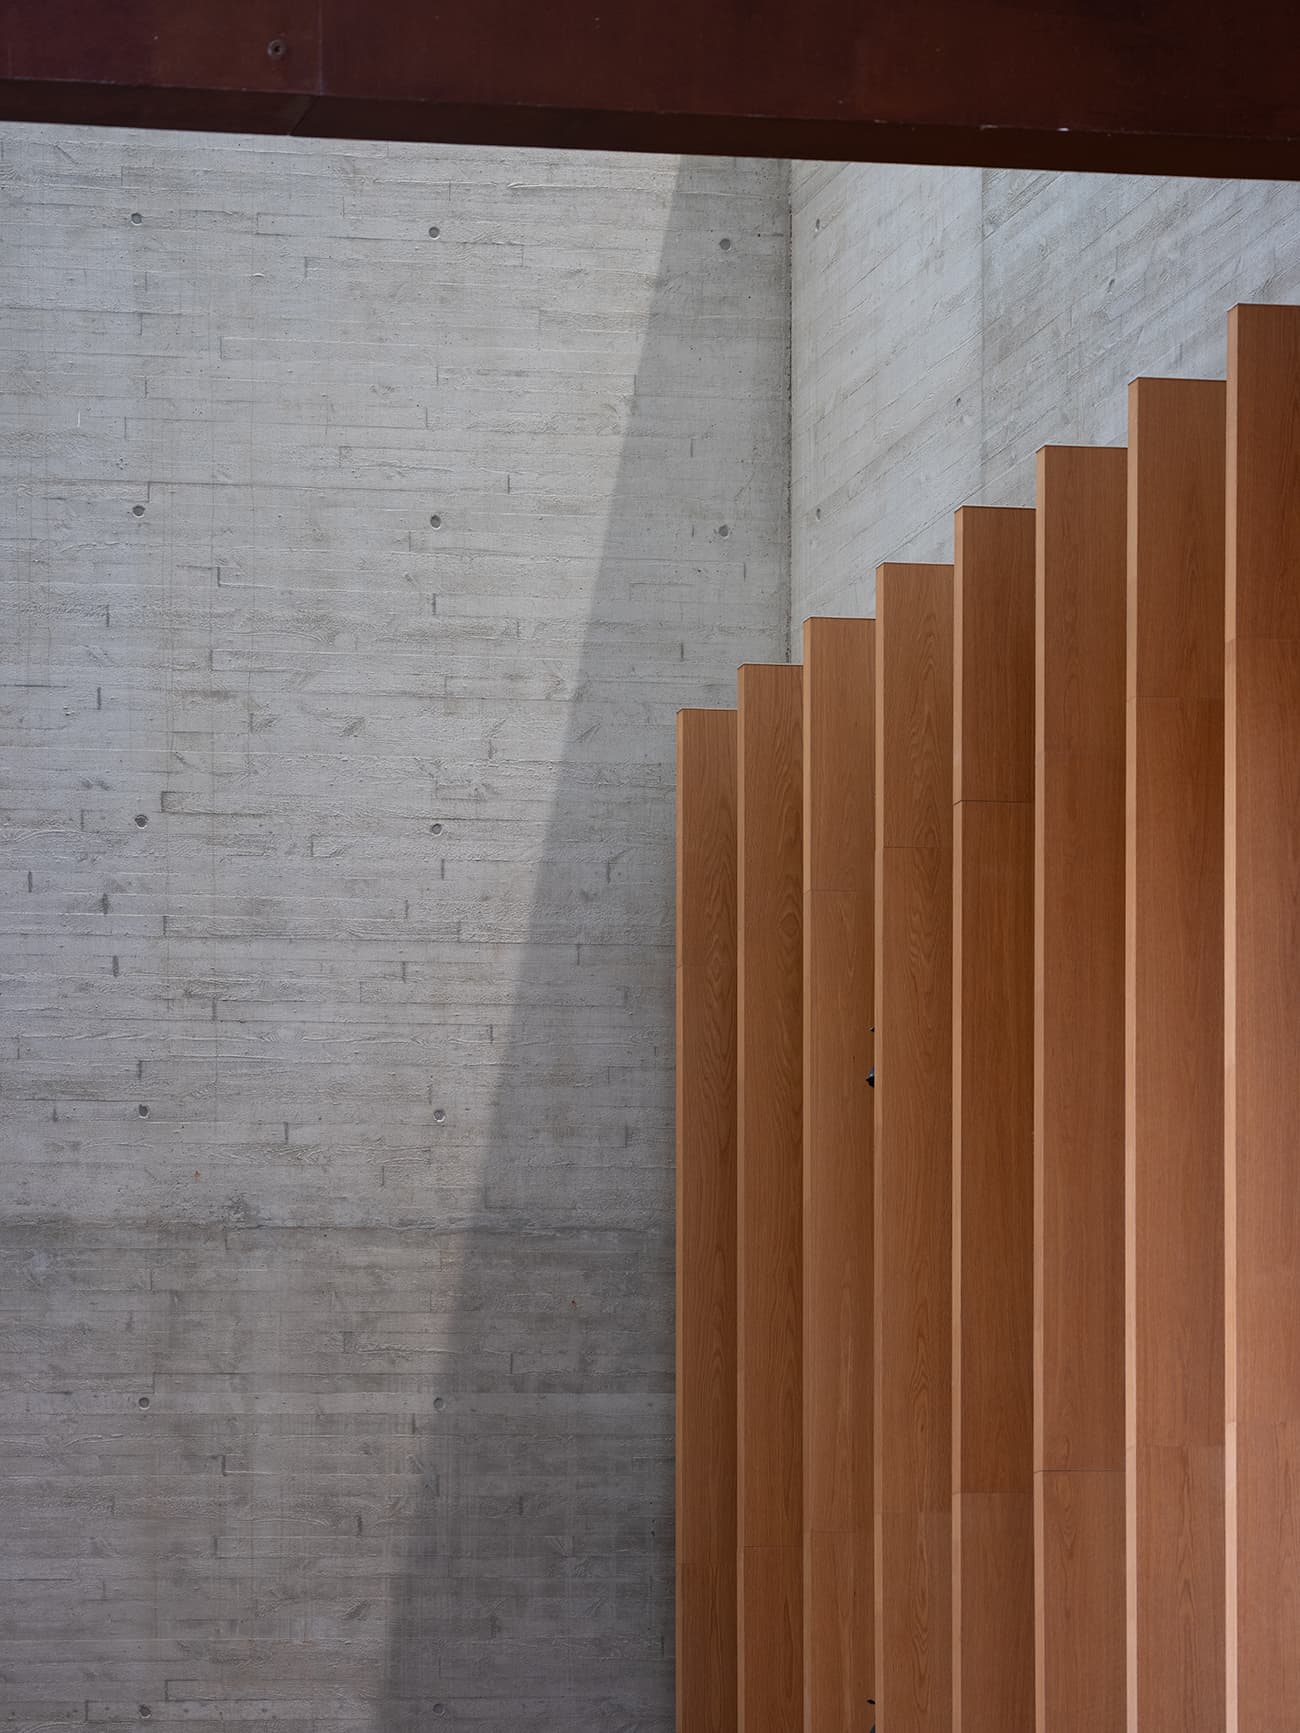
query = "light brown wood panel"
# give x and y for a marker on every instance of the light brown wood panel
(913, 1147)
(993, 1649)
(770, 1191)
(1173, 1069)
(993, 1121)
(993, 701)
(1079, 1089)
(706, 1221)
(839, 670)
(1262, 1021)
(1079, 1598)
(839, 878)
(993, 1149)
(838, 1580)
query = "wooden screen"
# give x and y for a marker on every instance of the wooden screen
(989, 1382)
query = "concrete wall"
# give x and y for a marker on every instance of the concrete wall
(352, 576)
(948, 322)
(336, 1191)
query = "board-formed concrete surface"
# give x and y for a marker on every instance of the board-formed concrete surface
(948, 322)
(367, 514)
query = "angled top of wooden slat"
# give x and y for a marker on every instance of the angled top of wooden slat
(1263, 511)
(839, 777)
(1082, 531)
(1175, 525)
(914, 704)
(993, 612)
(706, 831)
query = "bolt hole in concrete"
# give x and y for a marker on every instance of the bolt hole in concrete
(143, 1111)
(436, 521)
(440, 1116)
(434, 232)
(142, 819)
(137, 511)
(724, 530)
(725, 244)
(440, 1402)
(435, 829)
(136, 217)
(146, 1713)
(144, 1401)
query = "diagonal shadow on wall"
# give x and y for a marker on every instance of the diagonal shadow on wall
(533, 1567)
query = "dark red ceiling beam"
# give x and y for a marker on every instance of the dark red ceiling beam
(1148, 86)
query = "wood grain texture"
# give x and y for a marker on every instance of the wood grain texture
(770, 1055)
(1173, 1063)
(1262, 1021)
(913, 1131)
(1079, 1089)
(839, 983)
(993, 1585)
(706, 1221)
(1079, 1598)
(993, 703)
(993, 1121)
(839, 1644)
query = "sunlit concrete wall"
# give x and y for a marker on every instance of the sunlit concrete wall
(367, 513)
(948, 322)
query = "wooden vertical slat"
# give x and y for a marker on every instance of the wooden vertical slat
(839, 725)
(1079, 1091)
(706, 1221)
(913, 1130)
(1262, 1021)
(770, 1412)
(993, 1121)
(1174, 1070)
